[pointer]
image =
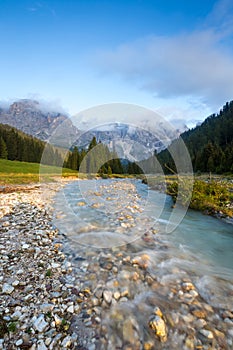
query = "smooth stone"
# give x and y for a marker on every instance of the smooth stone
(129, 332)
(158, 325)
(227, 314)
(199, 313)
(15, 283)
(187, 286)
(206, 333)
(46, 307)
(48, 341)
(200, 323)
(117, 295)
(16, 315)
(71, 309)
(25, 246)
(158, 312)
(7, 288)
(40, 324)
(66, 342)
(189, 343)
(57, 320)
(55, 265)
(41, 345)
(19, 342)
(107, 295)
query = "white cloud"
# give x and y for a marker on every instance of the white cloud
(197, 64)
(190, 64)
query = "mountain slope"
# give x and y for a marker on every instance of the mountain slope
(30, 117)
(16, 145)
(210, 144)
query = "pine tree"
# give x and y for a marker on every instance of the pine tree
(109, 170)
(3, 149)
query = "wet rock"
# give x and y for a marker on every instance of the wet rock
(107, 295)
(199, 313)
(158, 325)
(207, 334)
(190, 343)
(187, 286)
(227, 314)
(130, 331)
(117, 295)
(148, 346)
(158, 312)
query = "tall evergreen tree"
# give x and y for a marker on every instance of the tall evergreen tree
(3, 149)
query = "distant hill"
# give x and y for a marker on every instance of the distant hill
(210, 144)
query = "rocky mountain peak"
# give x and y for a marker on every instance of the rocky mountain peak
(32, 118)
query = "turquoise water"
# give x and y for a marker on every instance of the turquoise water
(88, 213)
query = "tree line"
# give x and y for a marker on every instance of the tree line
(16, 145)
(210, 144)
(97, 158)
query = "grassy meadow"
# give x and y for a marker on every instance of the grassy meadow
(14, 172)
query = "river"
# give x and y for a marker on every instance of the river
(117, 231)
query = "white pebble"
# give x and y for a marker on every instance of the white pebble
(40, 324)
(207, 334)
(7, 288)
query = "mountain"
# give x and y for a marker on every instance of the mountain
(31, 117)
(135, 142)
(210, 144)
(128, 142)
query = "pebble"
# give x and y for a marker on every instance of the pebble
(40, 324)
(46, 307)
(41, 345)
(208, 334)
(19, 342)
(7, 288)
(106, 299)
(107, 295)
(117, 295)
(67, 341)
(158, 325)
(70, 309)
(25, 246)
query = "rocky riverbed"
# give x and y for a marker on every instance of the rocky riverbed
(56, 295)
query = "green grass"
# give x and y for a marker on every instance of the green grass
(14, 172)
(212, 196)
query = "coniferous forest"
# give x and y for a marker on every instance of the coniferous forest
(16, 145)
(210, 144)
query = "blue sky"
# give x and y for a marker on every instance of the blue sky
(173, 56)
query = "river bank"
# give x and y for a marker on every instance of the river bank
(210, 195)
(36, 298)
(58, 295)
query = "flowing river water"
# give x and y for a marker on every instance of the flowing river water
(136, 274)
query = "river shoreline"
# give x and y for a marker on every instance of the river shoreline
(48, 302)
(36, 305)
(203, 199)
